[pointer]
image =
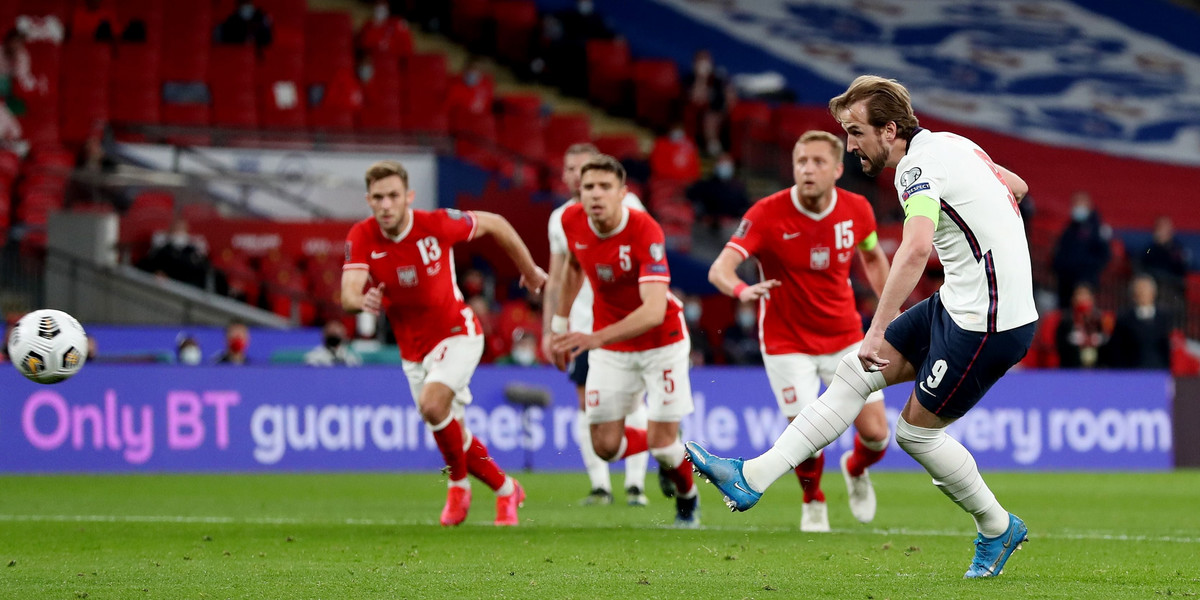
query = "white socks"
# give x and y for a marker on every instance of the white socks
(955, 473)
(507, 487)
(597, 468)
(818, 425)
(635, 466)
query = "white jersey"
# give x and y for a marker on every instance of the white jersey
(581, 311)
(980, 238)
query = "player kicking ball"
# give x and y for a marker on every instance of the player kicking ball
(955, 344)
(639, 341)
(407, 258)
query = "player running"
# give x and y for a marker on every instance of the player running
(407, 256)
(955, 344)
(640, 340)
(804, 238)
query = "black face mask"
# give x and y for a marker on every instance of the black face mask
(333, 341)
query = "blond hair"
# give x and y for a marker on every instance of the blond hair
(581, 148)
(384, 169)
(834, 141)
(886, 101)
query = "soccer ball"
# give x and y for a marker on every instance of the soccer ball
(48, 346)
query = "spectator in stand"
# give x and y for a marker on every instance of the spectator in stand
(472, 91)
(334, 349)
(720, 196)
(187, 350)
(493, 347)
(385, 34)
(524, 351)
(741, 341)
(1082, 331)
(1166, 259)
(1141, 338)
(709, 96)
(1082, 251)
(693, 311)
(179, 256)
(237, 341)
(246, 24)
(674, 157)
(562, 51)
(92, 20)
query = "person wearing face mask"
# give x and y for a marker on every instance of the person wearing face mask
(524, 351)
(187, 350)
(334, 349)
(708, 97)
(237, 341)
(1082, 251)
(384, 34)
(472, 92)
(675, 157)
(1082, 331)
(177, 255)
(720, 197)
(246, 24)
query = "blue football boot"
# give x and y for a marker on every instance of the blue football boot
(726, 474)
(992, 553)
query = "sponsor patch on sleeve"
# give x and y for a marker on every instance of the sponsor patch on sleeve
(657, 269)
(743, 228)
(913, 189)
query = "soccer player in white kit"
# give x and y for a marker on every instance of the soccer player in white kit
(954, 344)
(581, 320)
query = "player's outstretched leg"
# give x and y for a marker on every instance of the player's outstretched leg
(726, 474)
(991, 553)
(509, 493)
(814, 514)
(449, 437)
(860, 492)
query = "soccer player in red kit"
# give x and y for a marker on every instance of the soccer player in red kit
(639, 338)
(804, 238)
(407, 257)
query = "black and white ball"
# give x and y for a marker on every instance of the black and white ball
(48, 346)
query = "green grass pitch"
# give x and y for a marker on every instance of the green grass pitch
(376, 536)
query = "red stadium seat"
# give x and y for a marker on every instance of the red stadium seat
(749, 123)
(516, 27)
(563, 130)
(40, 121)
(381, 99)
(231, 81)
(609, 68)
(529, 105)
(281, 91)
(424, 80)
(522, 134)
(468, 21)
(328, 45)
(134, 86)
(187, 34)
(149, 12)
(620, 146)
(656, 91)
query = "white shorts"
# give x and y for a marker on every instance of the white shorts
(451, 363)
(796, 378)
(616, 380)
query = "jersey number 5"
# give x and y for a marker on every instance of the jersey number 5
(429, 248)
(623, 256)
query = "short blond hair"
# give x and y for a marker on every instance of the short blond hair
(887, 101)
(581, 148)
(816, 135)
(384, 169)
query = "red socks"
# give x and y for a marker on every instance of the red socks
(862, 458)
(809, 473)
(635, 441)
(450, 442)
(681, 476)
(483, 466)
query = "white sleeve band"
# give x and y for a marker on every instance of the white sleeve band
(558, 324)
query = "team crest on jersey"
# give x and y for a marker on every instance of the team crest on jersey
(407, 276)
(604, 272)
(454, 213)
(819, 258)
(789, 395)
(657, 252)
(910, 177)
(743, 228)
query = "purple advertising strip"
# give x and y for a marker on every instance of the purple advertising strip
(112, 418)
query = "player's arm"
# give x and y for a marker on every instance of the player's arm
(723, 275)
(566, 279)
(874, 262)
(906, 269)
(532, 276)
(550, 293)
(354, 299)
(1015, 183)
(645, 317)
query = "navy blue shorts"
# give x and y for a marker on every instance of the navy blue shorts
(955, 367)
(578, 369)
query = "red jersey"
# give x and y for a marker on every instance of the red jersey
(616, 264)
(421, 295)
(813, 312)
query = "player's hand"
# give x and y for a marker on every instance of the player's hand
(575, 343)
(534, 281)
(868, 352)
(560, 359)
(373, 300)
(758, 290)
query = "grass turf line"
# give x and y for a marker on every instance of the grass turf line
(1128, 535)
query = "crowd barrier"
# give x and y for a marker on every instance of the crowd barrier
(164, 418)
